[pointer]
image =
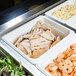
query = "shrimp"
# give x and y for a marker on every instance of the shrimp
(68, 74)
(68, 53)
(74, 63)
(65, 63)
(66, 66)
(64, 74)
(57, 73)
(75, 74)
(74, 68)
(53, 67)
(68, 62)
(61, 65)
(73, 46)
(67, 69)
(72, 57)
(75, 51)
(60, 57)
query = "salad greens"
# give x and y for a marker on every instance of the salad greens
(9, 68)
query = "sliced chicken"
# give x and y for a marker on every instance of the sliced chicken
(48, 35)
(36, 33)
(40, 43)
(20, 47)
(37, 41)
(18, 41)
(38, 53)
(56, 41)
(58, 38)
(39, 24)
(26, 36)
(25, 43)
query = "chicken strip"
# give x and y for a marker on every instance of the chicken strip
(38, 53)
(26, 36)
(40, 43)
(25, 43)
(39, 24)
(48, 35)
(20, 47)
(35, 33)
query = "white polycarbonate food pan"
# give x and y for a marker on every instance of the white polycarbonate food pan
(72, 22)
(56, 28)
(49, 13)
(53, 55)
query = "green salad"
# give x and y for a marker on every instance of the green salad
(9, 68)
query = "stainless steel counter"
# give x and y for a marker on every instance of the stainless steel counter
(16, 22)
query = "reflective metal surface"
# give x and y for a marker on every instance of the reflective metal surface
(16, 22)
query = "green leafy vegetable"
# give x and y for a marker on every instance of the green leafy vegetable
(7, 64)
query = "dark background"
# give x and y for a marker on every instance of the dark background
(10, 9)
(5, 4)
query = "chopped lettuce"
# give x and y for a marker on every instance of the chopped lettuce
(9, 68)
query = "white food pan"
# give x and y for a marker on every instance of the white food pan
(56, 28)
(72, 22)
(53, 55)
(49, 13)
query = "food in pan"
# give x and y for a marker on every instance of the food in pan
(64, 13)
(37, 41)
(64, 64)
(9, 68)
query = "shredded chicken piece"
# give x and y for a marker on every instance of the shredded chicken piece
(35, 33)
(39, 24)
(26, 36)
(26, 45)
(48, 35)
(37, 53)
(22, 48)
(40, 43)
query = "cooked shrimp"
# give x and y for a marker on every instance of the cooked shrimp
(67, 69)
(74, 68)
(60, 65)
(75, 74)
(57, 73)
(68, 74)
(68, 62)
(60, 57)
(73, 46)
(68, 53)
(64, 74)
(72, 57)
(74, 63)
(66, 66)
(53, 67)
(65, 63)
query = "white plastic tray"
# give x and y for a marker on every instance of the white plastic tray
(57, 29)
(49, 13)
(53, 55)
(72, 22)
